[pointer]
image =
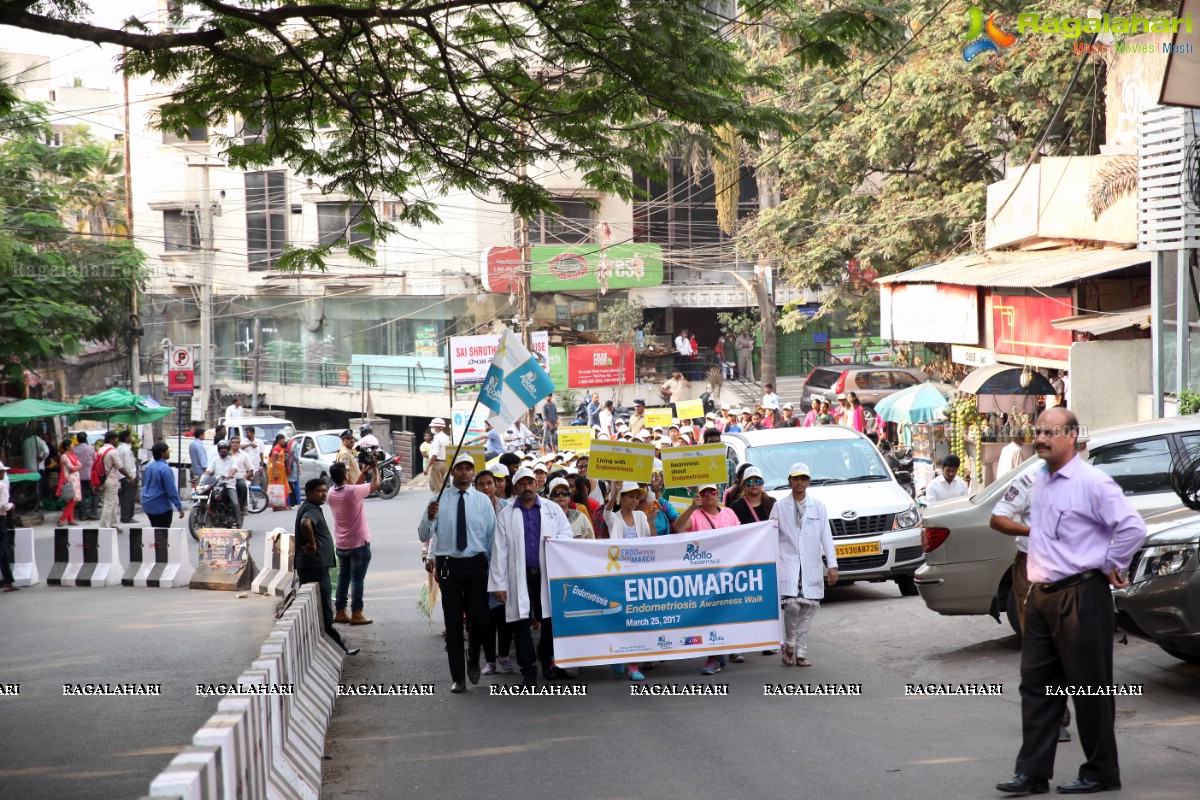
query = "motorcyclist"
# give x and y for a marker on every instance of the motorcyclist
(225, 467)
(366, 438)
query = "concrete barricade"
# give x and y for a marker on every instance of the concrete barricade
(24, 567)
(158, 557)
(279, 572)
(86, 557)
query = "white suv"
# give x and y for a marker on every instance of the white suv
(875, 524)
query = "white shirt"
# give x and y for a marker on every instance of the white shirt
(221, 467)
(1010, 459)
(683, 345)
(235, 412)
(1015, 504)
(128, 461)
(770, 400)
(254, 450)
(246, 465)
(440, 442)
(368, 441)
(939, 490)
(5, 506)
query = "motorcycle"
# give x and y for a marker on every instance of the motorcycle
(389, 470)
(213, 506)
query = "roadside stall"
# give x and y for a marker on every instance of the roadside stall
(991, 393)
(918, 411)
(17, 422)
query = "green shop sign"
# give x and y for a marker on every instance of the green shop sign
(567, 267)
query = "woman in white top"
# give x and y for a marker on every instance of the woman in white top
(581, 523)
(626, 522)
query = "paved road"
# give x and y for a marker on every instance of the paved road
(612, 745)
(90, 747)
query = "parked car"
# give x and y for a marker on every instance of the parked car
(968, 566)
(875, 523)
(871, 382)
(1162, 602)
(316, 451)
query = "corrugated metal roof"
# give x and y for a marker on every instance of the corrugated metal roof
(1040, 268)
(1105, 323)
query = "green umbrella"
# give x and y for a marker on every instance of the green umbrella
(26, 410)
(121, 405)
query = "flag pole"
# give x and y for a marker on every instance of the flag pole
(461, 439)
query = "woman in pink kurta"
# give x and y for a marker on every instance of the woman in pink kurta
(856, 416)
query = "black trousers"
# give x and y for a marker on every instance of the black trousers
(1068, 641)
(162, 520)
(320, 576)
(464, 590)
(503, 630)
(87, 503)
(522, 631)
(6, 576)
(125, 497)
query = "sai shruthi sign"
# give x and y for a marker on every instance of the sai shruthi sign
(665, 597)
(470, 356)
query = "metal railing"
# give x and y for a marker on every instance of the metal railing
(331, 374)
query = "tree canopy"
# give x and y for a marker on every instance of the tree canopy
(58, 287)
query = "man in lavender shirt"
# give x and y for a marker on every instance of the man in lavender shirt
(1082, 535)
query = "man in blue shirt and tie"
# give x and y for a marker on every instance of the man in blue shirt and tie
(462, 531)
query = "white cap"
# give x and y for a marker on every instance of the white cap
(724, 406)
(711, 415)
(787, 405)
(658, 466)
(463, 458)
(437, 421)
(631, 486)
(841, 396)
(744, 410)
(523, 472)
(558, 482)
(798, 469)
(751, 472)
(712, 486)
(539, 465)
(664, 442)
(643, 434)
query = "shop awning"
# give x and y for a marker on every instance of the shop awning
(27, 410)
(1022, 268)
(1097, 324)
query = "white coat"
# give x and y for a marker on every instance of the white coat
(616, 525)
(507, 570)
(800, 549)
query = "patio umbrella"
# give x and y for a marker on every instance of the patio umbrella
(1003, 379)
(920, 403)
(123, 406)
(26, 410)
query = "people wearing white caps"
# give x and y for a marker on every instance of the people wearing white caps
(624, 521)
(437, 455)
(540, 472)
(460, 525)
(581, 523)
(804, 536)
(788, 418)
(517, 576)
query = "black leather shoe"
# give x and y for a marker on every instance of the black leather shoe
(1023, 784)
(1086, 786)
(473, 673)
(1064, 735)
(530, 681)
(458, 687)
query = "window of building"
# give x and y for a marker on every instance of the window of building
(266, 217)
(181, 231)
(573, 224)
(336, 223)
(195, 133)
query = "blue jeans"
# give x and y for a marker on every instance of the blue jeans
(352, 571)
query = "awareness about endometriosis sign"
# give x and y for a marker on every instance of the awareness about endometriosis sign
(623, 600)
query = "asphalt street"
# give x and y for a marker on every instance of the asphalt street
(613, 745)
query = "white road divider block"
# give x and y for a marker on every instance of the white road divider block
(24, 567)
(279, 571)
(158, 557)
(86, 557)
(194, 774)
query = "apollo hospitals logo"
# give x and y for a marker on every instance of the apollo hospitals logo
(493, 389)
(698, 556)
(715, 638)
(984, 37)
(664, 643)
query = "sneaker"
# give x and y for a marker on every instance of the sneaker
(711, 667)
(737, 658)
(489, 668)
(507, 665)
(618, 669)
(636, 675)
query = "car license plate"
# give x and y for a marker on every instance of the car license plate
(860, 549)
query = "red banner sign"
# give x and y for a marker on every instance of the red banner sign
(599, 365)
(1021, 326)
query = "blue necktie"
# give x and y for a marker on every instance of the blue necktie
(461, 523)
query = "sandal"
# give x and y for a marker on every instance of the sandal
(789, 659)
(803, 662)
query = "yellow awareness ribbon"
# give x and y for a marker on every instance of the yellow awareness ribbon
(614, 553)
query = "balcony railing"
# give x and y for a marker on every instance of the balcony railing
(330, 374)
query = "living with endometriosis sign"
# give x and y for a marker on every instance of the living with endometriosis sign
(664, 597)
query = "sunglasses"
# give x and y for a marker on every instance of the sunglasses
(754, 482)
(558, 494)
(708, 492)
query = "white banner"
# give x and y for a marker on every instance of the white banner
(470, 356)
(667, 597)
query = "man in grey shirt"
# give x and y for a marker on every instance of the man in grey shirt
(197, 453)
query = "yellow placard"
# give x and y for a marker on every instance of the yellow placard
(478, 453)
(658, 417)
(682, 504)
(692, 466)
(577, 439)
(621, 461)
(689, 409)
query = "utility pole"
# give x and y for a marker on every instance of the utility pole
(525, 276)
(135, 347)
(205, 218)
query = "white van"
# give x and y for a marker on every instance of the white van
(876, 526)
